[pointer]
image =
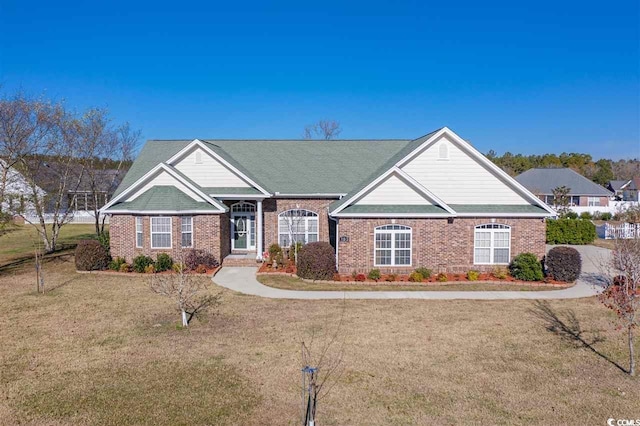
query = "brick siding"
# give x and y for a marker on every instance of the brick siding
(274, 206)
(436, 244)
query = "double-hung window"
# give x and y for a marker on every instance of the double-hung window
(492, 244)
(139, 232)
(297, 225)
(187, 231)
(160, 232)
(593, 201)
(392, 245)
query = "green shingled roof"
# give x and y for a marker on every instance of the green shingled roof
(498, 208)
(163, 198)
(393, 208)
(230, 191)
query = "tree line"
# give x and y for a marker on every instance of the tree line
(601, 171)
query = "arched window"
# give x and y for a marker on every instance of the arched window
(297, 225)
(243, 207)
(492, 244)
(392, 245)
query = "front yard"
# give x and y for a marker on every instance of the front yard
(100, 349)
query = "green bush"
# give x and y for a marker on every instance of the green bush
(563, 264)
(606, 216)
(141, 262)
(91, 256)
(571, 215)
(105, 240)
(116, 263)
(293, 249)
(317, 261)
(275, 251)
(425, 272)
(586, 216)
(526, 267)
(570, 231)
(374, 274)
(473, 275)
(163, 262)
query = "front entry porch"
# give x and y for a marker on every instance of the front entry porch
(240, 259)
(245, 231)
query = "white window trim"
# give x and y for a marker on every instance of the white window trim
(139, 222)
(506, 228)
(593, 201)
(287, 230)
(393, 232)
(182, 232)
(170, 231)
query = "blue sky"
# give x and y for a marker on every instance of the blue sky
(525, 77)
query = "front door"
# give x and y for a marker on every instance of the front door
(243, 231)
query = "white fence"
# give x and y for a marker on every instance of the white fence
(624, 230)
(613, 207)
(78, 217)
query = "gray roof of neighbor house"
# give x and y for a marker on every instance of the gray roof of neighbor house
(617, 185)
(544, 181)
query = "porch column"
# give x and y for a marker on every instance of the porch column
(259, 230)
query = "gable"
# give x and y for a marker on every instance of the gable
(163, 178)
(393, 191)
(207, 171)
(456, 177)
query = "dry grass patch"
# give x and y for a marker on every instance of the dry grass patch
(287, 282)
(104, 349)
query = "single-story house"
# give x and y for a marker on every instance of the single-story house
(582, 191)
(434, 201)
(625, 190)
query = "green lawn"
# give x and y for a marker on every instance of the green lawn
(17, 242)
(103, 349)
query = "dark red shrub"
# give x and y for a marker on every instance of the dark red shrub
(316, 261)
(361, 277)
(563, 264)
(91, 256)
(194, 258)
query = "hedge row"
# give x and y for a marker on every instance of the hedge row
(570, 231)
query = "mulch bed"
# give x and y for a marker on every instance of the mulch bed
(212, 272)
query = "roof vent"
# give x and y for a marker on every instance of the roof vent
(198, 157)
(443, 151)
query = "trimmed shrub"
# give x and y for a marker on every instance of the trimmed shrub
(473, 275)
(361, 277)
(606, 216)
(163, 262)
(425, 272)
(125, 267)
(571, 215)
(91, 256)
(563, 264)
(196, 257)
(441, 277)
(586, 216)
(116, 263)
(415, 277)
(526, 267)
(500, 272)
(374, 274)
(141, 262)
(317, 261)
(570, 231)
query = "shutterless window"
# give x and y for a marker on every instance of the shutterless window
(492, 244)
(187, 231)
(593, 201)
(297, 225)
(139, 232)
(392, 245)
(160, 232)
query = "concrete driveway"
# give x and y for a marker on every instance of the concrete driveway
(243, 280)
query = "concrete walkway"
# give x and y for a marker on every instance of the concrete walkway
(243, 280)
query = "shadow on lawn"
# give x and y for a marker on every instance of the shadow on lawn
(16, 264)
(568, 328)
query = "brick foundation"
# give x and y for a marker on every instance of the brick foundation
(436, 244)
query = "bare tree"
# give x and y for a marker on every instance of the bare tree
(323, 129)
(99, 140)
(322, 352)
(188, 291)
(622, 289)
(561, 200)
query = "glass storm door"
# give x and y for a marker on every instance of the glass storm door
(242, 232)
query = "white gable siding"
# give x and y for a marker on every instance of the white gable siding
(393, 191)
(164, 179)
(206, 171)
(460, 179)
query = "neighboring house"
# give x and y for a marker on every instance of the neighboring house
(17, 198)
(390, 204)
(584, 195)
(625, 190)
